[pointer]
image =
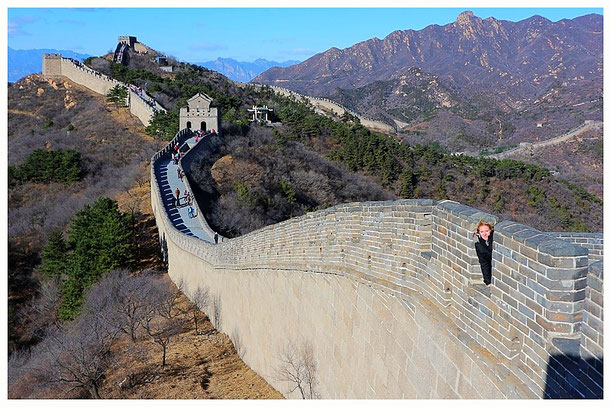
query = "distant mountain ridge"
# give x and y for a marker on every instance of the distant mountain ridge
(504, 77)
(242, 71)
(24, 62)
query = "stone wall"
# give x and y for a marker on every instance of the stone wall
(55, 65)
(87, 77)
(330, 105)
(371, 338)
(389, 296)
(591, 352)
(592, 241)
(139, 108)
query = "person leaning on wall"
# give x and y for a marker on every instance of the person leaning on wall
(483, 246)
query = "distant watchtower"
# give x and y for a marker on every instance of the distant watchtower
(127, 40)
(200, 114)
(51, 64)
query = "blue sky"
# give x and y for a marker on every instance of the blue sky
(201, 34)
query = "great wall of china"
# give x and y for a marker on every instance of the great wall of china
(328, 105)
(532, 147)
(387, 295)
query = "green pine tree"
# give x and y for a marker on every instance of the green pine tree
(55, 256)
(100, 239)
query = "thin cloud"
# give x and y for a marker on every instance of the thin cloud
(206, 46)
(16, 26)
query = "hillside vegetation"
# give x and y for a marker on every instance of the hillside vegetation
(79, 208)
(510, 189)
(266, 174)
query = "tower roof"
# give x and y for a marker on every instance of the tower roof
(199, 100)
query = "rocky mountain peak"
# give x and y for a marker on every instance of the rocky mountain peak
(465, 17)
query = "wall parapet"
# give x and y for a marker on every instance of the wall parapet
(592, 241)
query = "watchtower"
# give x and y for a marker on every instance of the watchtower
(200, 114)
(51, 64)
(127, 40)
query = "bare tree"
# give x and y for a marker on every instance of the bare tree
(167, 320)
(42, 312)
(122, 300)
(298, 367)
(17, 363)
(217, 320)
(199, 301)
(77, 356)
(23, 367)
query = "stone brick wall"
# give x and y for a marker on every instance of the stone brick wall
(139, 108)
(55, 65)
(592, 241)
(415, 264)
(591, 362)
(89, 78)
(52, 64)
(371, 338)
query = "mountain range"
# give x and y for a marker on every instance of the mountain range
(242, 71)
(23, 62)
(435, 84)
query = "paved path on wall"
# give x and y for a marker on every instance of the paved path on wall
(168, 180)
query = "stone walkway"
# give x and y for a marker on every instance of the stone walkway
(167, 177)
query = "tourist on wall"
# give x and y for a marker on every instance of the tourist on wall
(177, 192)
(483, 247)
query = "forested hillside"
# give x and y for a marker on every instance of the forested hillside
(82, 245)
(268, 174)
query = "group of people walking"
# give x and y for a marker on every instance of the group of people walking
(186, 198)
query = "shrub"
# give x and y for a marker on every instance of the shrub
(46, 166)
(117, 95)
(99, 240)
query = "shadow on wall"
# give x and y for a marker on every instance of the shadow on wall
(164, 249)
(570, 377)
